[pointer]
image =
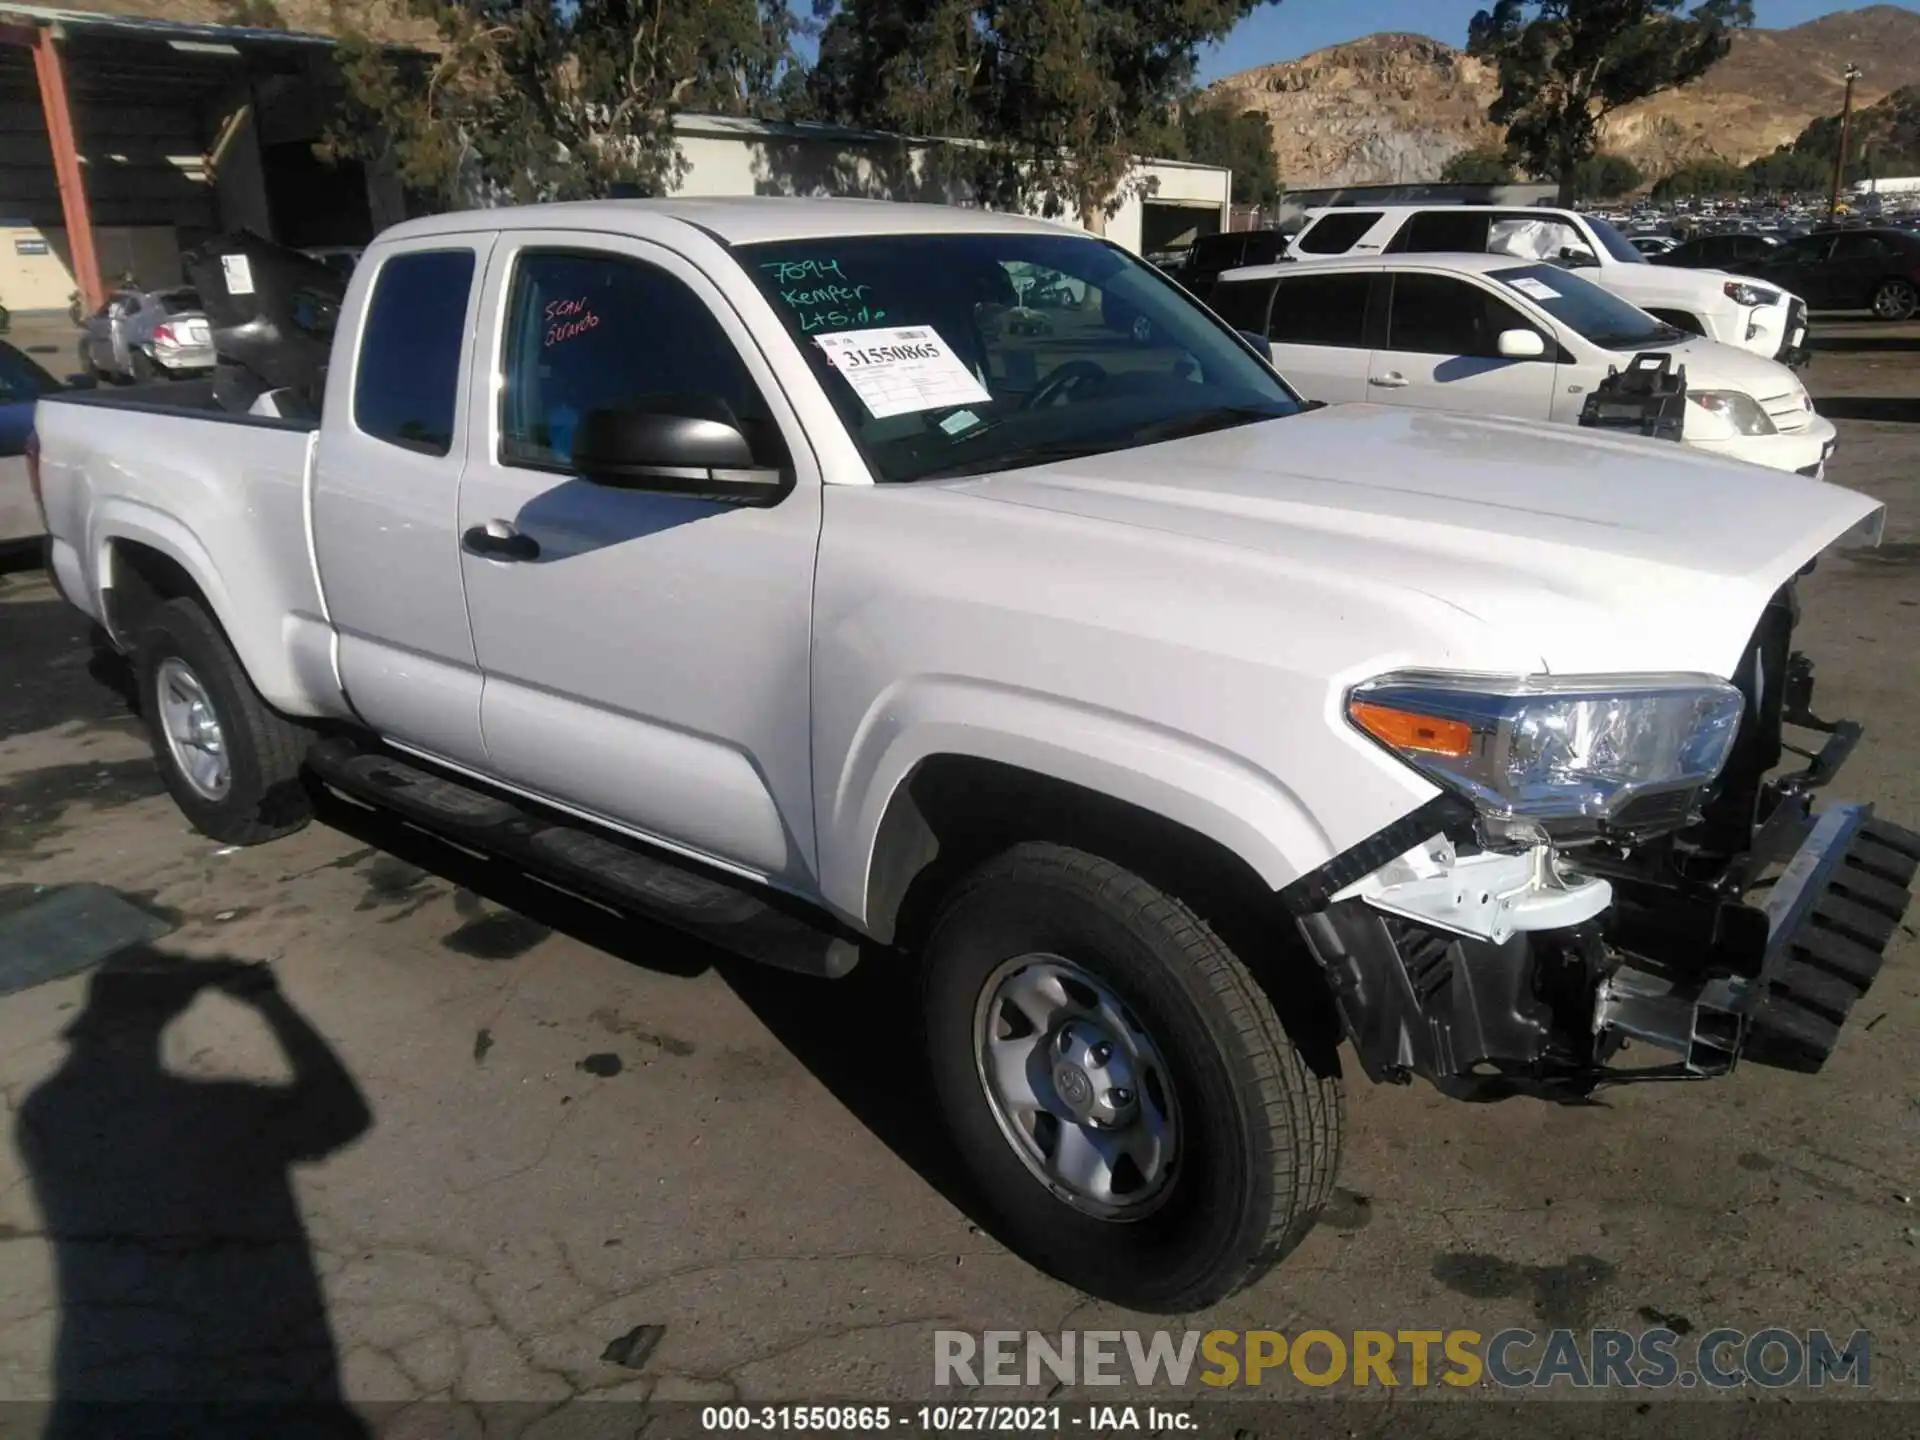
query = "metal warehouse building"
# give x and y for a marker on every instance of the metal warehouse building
(126, 140)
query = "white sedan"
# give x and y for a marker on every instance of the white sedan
(1492, 335)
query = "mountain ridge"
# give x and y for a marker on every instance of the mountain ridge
(1393, 107)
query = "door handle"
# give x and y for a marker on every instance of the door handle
(1392, 380)
(497, 540)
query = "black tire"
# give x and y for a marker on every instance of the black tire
(265, 797)
(145, 372)
(1896, 300)
(1259, 1132)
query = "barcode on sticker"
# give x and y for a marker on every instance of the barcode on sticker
(913, 334)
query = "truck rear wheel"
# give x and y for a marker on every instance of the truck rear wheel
(231, 763)
(1136, 1117)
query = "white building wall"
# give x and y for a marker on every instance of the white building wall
(727, 156)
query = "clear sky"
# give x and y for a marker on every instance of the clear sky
(1294, 27)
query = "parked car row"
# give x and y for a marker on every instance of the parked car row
(1850, 268)
(1733, 309)
(1491, 335)
(23, 382)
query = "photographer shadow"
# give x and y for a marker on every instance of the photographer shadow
(189, 1299)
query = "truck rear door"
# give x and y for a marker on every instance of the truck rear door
(645, 653)
(393, 443)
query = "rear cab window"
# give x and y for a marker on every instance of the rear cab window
(1338, 231)
(407, 380)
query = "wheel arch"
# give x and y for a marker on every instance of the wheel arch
(954, 810)
(140, 566)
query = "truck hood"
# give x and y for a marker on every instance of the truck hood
(1545, 549)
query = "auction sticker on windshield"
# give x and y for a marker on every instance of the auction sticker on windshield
(1538, 289)
(900, 369)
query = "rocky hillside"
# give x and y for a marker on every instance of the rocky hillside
(386, 20)
(1393, 107)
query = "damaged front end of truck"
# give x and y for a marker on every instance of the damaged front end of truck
(1528, 933)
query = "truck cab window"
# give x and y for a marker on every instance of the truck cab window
(586, 332)
(408, 379)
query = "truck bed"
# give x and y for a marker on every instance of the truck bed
(159, 473)
(173, 397)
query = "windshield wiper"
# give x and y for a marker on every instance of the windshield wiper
(1019, 457)
(1662, 335)
(1203, 422)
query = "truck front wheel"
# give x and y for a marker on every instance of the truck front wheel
(1137, 1119)
(231, 763)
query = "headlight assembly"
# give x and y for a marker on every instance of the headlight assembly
(1742, 293)
(1559, 758)
(1738, 409)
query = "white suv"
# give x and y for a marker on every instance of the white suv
(1492, 335)
(1733, 309)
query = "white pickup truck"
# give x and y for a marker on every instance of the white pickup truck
(735, 562)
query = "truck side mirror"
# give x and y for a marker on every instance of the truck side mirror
(676, 445)
(1259, 342)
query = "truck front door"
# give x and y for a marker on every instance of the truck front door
(645, 654)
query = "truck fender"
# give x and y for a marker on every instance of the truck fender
(117, 520)
(1174, 776)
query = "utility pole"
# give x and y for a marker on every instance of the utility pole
(1853, 73)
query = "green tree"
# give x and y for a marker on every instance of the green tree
(1059, 95)
(1606, 177)
(1703, 179)
(1478, 167)
(1239, 140)
(1565, 65)
(1788, 169)
(530, 100)
(1885, 141)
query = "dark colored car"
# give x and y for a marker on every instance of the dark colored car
(1214, 255)
(22, 382)
(1874, 268)
(1719, 252)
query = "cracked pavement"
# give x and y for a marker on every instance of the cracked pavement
(578, 1124)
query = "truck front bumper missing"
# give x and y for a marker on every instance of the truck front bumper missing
(1707, 957)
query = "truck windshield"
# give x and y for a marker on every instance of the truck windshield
(960, 354)
(1580, 305)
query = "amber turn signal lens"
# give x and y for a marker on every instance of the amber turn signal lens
(1404, 730)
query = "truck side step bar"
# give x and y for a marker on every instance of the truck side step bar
(719, 909)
